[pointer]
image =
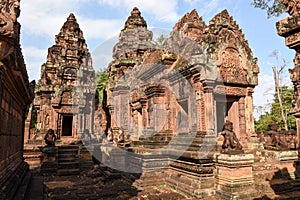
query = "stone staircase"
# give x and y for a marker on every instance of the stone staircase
(68, 160)
(65, 160)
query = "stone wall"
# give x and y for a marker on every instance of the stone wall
(289, 29)
(15, 96)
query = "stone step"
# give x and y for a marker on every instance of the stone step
(67, 172)
(68, 147)
(68, 151)
(49, 170)
(68, 155)
(64, 160)
(296, 185)
(68, 165)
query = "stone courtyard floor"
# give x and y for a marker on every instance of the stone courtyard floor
(97, 182)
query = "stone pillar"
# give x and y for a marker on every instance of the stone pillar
(27, 125)
(298, 130)
(289, 28)
(210, 113)
(234, 178)
(144, 114)
(242, 119)
(121, 107)
(249, 119)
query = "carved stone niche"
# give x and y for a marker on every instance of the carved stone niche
(231, 65)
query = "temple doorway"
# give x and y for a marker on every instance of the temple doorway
(222, 109)
(228, 110)
(67, 125)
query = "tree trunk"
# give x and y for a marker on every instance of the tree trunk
(276, 80)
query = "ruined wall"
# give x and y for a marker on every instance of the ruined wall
(14, 98)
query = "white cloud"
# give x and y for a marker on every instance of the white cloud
(34, 59)
(263, 93)
(162, 10)
(99, 28)
(45, 18)
(205, 7)
(41, 17)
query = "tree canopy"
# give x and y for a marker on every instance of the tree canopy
(275, 114)
(101, 82)
(274, 8)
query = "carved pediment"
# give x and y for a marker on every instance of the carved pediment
(232, 66)
(191, 25)
(292, 6)
(230, 51)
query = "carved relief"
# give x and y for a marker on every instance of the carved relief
(9, 27)
(292, 40)
(289, 28)
(59, 74)
(292, 6)
(231, 67)
(229, 90)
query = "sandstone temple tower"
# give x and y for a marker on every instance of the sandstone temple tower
(68, 68)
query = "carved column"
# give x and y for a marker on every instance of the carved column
(144, 113)
(27, 123)
(121, 107)
(242, 121)
(210, 113)
(249, 119)
(289, 28)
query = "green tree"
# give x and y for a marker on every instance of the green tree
(274, 8)
(275, 113)
(263, 123)
(277, 71)
(33, 122)
(160, 40)
(101, 83)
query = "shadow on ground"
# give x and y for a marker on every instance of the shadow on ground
(101, 182)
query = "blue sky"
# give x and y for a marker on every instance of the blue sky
(102, 20)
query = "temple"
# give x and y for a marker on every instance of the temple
(202, 76)
(184, 113)
(178, 114)
(62, 93)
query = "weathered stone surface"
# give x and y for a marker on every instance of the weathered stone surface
(15, 96)
(196, 65)
(234, 176)
(289, 29)
(173, 99)
(158, 132)
(64, 93)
